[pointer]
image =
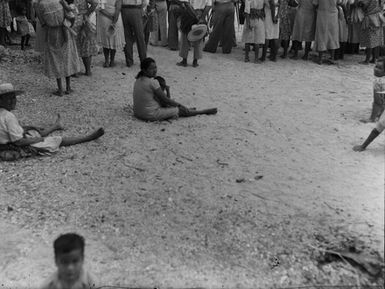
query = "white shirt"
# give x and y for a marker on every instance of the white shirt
(10, 129)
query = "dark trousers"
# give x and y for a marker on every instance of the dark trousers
(133, 31)
(174, 12)
(223, 28)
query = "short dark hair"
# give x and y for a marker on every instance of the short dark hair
(67, 243)
(144, 65)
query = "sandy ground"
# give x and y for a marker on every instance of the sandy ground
(210, 201)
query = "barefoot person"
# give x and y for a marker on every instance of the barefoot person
(32, 140)
(378, 105)
(60, 54)
(150, 101)
(380, 127)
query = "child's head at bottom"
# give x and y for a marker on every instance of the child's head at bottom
(379, 68)
(69, 256)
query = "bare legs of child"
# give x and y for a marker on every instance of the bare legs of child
(3, 33)
(68, 90)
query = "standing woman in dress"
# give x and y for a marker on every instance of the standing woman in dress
(271, 29)
(86, 35)
(284, 26)
(327, 28)
(5, 20)
(60, 56)
(371, 29)
(304, 27)
(109, 30)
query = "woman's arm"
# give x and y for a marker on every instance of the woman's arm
(118, 7)
(161, 96)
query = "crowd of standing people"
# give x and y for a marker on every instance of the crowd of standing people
(333, 26)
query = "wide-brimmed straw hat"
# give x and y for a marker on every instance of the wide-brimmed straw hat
(6, 88)
(197, 32)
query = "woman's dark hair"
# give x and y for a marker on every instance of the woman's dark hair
(67, 243)
(144, 65)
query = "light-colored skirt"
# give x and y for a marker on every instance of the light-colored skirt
(107, 39)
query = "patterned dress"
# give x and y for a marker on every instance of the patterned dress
(256, 35)
(371, 27)
(106, 39)
(86, 38)
(60, 56)
(5, 14)
(284, 25)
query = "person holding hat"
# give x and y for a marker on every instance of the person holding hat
(17, 141)
(109, 30)
(195, 35)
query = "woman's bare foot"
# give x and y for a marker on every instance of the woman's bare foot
(106, 64)
(112, 63)
(364, 62)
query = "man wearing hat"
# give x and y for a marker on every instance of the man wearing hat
(194, 37)
(15, 139)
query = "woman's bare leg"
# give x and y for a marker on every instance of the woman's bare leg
(188, 113)
(69, 141)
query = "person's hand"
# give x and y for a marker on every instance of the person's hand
(358, 148)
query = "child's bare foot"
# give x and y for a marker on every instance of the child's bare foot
(58, 93)
(97, 134)
(358, 148)
(257, 61)
(106, 64)
(58, 122)
(112, 63)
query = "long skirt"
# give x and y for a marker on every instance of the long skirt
(60, 53)
(85, 39)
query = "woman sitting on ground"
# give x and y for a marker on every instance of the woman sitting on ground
(17, 141)
(150, 101)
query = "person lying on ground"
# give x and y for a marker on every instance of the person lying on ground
(378, 105)
(380, 126)
(151, 102)
(69, 260)
(32, 140)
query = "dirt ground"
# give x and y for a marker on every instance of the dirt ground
(249, 198)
